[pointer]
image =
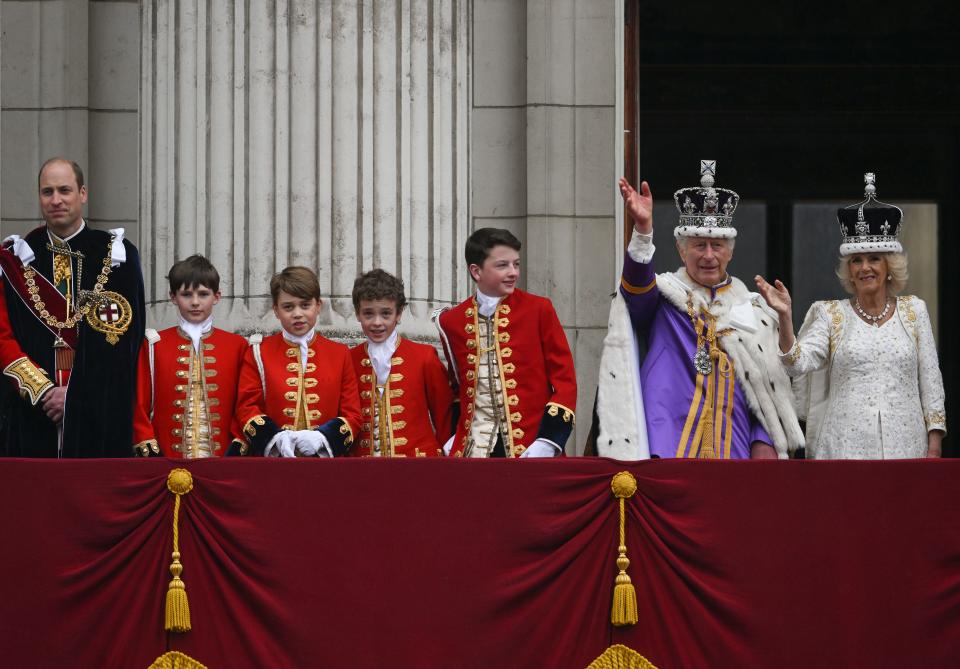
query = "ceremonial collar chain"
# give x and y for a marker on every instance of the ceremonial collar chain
(705, 328)
(84, 304)
(871, 319)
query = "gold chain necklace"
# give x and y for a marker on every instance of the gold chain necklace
(86, 304)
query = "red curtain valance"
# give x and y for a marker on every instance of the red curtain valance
(433, 563)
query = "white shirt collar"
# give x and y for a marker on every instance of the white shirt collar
(196, 330)
(381, 354)
(487, 303)
(303, 342)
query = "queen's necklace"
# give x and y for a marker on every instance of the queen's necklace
(872, 320)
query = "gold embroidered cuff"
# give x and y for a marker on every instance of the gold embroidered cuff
(791, 356)
(146, 448)
(569, 415)
(32, 382)
(345, 431)
(936, 420)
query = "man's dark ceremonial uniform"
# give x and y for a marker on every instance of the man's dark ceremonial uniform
(105, 342)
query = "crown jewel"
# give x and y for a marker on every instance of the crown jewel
(706, 211)
(871, 225)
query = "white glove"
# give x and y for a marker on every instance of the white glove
(311, 443)
(541, 448)
(447, 447)
(281, 446)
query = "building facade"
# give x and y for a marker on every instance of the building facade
(351, 134)
(341, 135)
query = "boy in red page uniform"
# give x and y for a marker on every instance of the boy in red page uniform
(298, 393)
(508, 352)
(187, 374)
(405, 398)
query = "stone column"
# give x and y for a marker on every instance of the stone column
(544, 158)
(327, 133)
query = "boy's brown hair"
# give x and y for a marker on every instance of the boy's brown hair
(378, 285)
(193, 272)
(296, 280)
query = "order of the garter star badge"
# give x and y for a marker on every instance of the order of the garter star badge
(111, 315)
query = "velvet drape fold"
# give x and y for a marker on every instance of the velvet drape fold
(435, 563)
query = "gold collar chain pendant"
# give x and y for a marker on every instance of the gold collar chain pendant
(85, 303)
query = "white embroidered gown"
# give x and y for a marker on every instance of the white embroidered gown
(884, 390)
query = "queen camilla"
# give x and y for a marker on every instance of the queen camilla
(870, 381)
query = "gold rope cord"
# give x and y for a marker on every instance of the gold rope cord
(624, 609)
(177, 619)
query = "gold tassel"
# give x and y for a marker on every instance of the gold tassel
(179, 482)
(624, 611)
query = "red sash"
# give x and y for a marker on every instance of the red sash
(54, 302)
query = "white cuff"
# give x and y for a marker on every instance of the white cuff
(641, 247)
(541, 448)
(447, 447)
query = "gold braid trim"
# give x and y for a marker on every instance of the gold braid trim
(569, 415)
(32, 381)
(909, 316)
(619, 657)
(146, 447)
(176, 660)
(637, 290)
(346, 430)
(836, 322)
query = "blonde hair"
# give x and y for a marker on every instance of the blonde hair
(896, 269)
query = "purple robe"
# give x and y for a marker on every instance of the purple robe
(672, 400)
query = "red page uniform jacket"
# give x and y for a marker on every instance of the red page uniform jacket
(185, 399)
(323, 396)
(515, 374)
(410, 414)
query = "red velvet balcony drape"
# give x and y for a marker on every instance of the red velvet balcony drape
(433, 563)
